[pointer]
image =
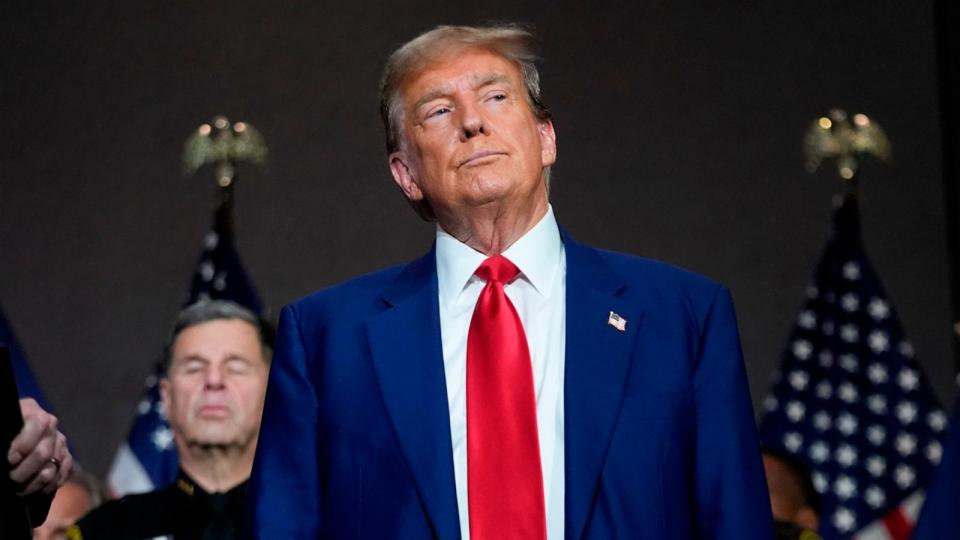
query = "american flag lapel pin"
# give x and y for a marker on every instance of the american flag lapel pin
(617, 321)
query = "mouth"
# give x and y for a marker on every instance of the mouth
(481, 157)
(214, 411)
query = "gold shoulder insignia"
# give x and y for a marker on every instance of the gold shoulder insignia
(807, 534)
(73, 533)
(185, 486)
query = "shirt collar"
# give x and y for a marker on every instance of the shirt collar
(537, 254)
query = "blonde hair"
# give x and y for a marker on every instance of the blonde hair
(509, 41)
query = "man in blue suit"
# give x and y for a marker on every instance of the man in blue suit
(511, 383)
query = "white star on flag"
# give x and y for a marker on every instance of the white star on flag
(875, 497)
(802, 349)
(770, 403)
(876, 465)
(799, 379)
(906, 412)
(904, 476)
(207, 270)
(934, 452)
(807, 320)
(796, 410)
(822, 421)
(144, 406)
(906, 444)
(851, 271)
(850, 302)
(876, 434)
(937, 420)
(819, 451)
(824, 390)
(844, 520)
(878, 309)
(877, 373)
(877, 404)
(847, 424)
(907, 379)
(849, 333)
(210, 240)
(878, 341)
(846, 455)
(162, 438)
(849, 362)
(826, 358)
(793, 441)
(847, 392)
(845, 487)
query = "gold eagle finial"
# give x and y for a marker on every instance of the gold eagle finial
(834, 136)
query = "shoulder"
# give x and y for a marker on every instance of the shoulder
(660, 281)
(637, 269)
(668, 293)
(343, 307)
(356, 294)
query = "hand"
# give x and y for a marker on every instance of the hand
(38, 455)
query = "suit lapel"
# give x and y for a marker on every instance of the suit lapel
(598, 360)
(405, 346)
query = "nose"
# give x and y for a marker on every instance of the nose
(471, 122)
(214, 379)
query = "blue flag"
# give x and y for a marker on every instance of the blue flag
(27, 384)
(850, 401)
(148, 458)
(940, 517)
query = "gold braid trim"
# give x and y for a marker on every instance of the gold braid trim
(73, 533)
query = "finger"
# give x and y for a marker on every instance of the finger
(62, 453)
(36, 426)
(40, 480)
(37, 459)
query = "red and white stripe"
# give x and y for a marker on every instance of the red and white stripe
(897, 524)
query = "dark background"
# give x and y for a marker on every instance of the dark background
(679, 130)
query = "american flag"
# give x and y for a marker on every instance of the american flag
(148, 459)
(850, 400)
(940, 517)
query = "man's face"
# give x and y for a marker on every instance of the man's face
(213, 392)
(69, 504)
(469, 137)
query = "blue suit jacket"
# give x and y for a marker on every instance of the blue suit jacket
(659, 431)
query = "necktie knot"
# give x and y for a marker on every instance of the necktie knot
(497, 268)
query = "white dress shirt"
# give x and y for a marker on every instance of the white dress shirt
(539, 295)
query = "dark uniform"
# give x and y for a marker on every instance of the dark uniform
(182, 510)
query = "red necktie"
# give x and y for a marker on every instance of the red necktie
(504, 478)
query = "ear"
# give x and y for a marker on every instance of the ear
(403, 175)
(165, 393)
(548, 143)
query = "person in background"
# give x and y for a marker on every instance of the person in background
(793, 499)
(217, 362)
(81, 493)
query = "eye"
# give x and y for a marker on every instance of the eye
(193, 367)
(238, 366)
(499, 97)
(439, 111)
